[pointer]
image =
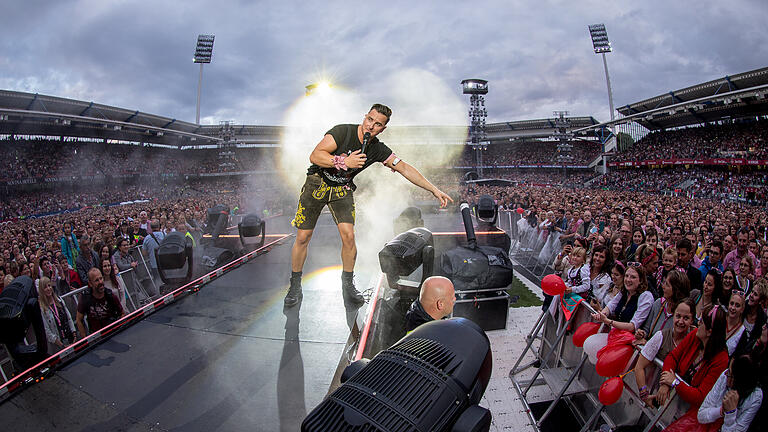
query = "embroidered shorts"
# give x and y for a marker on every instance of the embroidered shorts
(316, 194)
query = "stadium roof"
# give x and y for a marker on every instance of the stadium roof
(730, 97)
(537, 128)
(34, 114)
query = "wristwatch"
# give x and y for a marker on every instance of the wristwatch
(675, 382)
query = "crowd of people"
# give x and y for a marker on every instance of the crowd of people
(685, 279)
(51, 159)
(530, 153)
(702, 182)
(88, 247)
(747, 139)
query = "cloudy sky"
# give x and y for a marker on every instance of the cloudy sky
(536, 55)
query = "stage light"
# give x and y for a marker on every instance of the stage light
(174, 252)
(430, 380)
(19, 309)
(218, 216)
(320, 87)
(487, 209)
(251, 226)
(402, 255)
(409, 218)
(323, 86)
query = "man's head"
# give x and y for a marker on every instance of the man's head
(376, 120)
(437, 297)
(715, 252)
(728, 244)
(85, 243)
(675, 235)
(155, 224)
(684, 255)
(96, 281)
(626, 233)
(587, 217)
(742, 241)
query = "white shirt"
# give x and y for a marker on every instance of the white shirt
(739, 421)
(652, 347)
(573, 277)
(600, 287)
(732, 341)
(644, 303)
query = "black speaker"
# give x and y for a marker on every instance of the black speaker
(430, 380)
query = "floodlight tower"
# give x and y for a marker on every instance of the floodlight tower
(478, 139)
(601, 45)
(203, 54)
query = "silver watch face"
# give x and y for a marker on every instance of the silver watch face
(396, 161)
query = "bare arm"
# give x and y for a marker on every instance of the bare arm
(322, 157)
(80, 325)
(414, 176)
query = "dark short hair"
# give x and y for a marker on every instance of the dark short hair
(383, 110)
(685, 244)
(718, 244)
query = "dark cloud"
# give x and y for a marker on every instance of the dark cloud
(537, 56)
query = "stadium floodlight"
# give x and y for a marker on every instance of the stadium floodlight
(203, 55)
(599, 38)
(601, 45)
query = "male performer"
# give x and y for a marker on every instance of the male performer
(344, 152)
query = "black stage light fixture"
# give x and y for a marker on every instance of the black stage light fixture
(403, 254)
(19, 309)
(430, 380)
(174, 251)
(487, 209)
(251, 226)
(409, 218)
(218, 216)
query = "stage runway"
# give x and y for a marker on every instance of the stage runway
(227, 358)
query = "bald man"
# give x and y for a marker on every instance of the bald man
(436, 300)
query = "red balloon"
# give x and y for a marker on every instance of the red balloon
(613, 360)
(583, 332)
(520, 210)
(553, 285)
(610, 391)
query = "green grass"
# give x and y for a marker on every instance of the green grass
(524, 296)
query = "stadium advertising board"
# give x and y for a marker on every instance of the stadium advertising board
(658, 162)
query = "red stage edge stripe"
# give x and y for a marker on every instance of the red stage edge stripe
(32, 374)
(367, 328)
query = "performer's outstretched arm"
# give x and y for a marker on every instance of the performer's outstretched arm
(414, 176)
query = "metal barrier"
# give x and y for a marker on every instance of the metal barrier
(561, 369)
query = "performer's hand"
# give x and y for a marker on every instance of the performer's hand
(442, 197)
(355, 160)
